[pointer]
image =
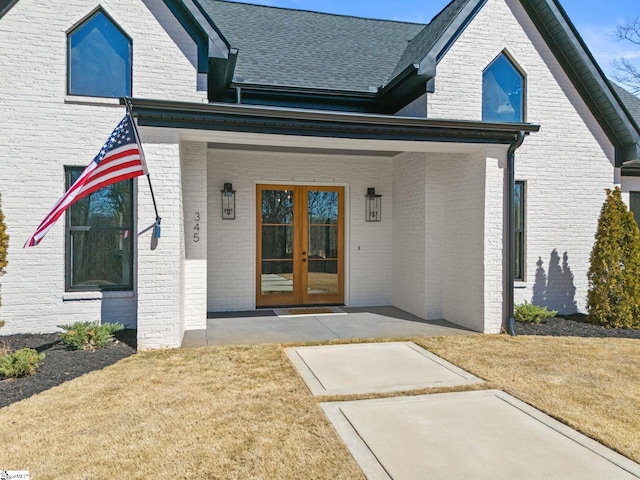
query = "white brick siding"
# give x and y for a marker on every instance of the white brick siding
(409, 237)
(232, 247)
(566, 165)
(194, 187)
(43, 130)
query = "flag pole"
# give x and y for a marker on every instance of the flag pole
(156, 230)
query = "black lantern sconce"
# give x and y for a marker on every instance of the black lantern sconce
(373, 211)
(228, 202)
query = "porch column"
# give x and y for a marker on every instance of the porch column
(194, 203)
(495, 252)
(160, 271)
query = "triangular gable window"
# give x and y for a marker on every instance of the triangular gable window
(99, 58)
(502, 92)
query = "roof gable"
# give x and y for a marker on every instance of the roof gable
(586, 76)
(422, 44)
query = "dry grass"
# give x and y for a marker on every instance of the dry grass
(228, 412)
(243, 412)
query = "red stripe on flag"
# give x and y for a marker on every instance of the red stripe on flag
(118, 164)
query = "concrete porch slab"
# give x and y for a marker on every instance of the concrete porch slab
(374, 368)
(482, 435)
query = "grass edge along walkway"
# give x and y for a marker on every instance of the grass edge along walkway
(243, 411)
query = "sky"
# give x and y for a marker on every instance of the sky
(595, 20)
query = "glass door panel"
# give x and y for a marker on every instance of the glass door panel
(299, 251)
(322, 242)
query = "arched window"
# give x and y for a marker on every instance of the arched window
(99, 58)
(502, 92)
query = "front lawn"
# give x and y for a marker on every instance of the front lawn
(243, 412)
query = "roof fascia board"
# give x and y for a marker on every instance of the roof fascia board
(402, 90)
(428, 63)
(5, 6)
(209, 40)
(623, 150)
(242, 118)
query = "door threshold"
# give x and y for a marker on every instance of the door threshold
(308, 311)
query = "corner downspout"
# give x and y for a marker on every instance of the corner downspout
(511, 223)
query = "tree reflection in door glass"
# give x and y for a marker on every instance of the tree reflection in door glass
(323, 242)
(322, 207)
(277, 242)
(277, 207)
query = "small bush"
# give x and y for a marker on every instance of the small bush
(88, 335)
(21, 363)
(529, 313)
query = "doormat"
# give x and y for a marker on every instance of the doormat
(308, 311)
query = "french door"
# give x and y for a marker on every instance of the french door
(300, 245)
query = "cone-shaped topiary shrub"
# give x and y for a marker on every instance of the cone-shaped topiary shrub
(613, 299)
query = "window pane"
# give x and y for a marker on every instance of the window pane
(101, 258)
(277, 207)
(518, 197)
(322, 277)
(322, 207)
(100, 238)
(323, 242)
(502, 92)
(99, 59)
(276, 278)
(277, 242)
(108, 207)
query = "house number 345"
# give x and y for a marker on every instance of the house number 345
(196, 227)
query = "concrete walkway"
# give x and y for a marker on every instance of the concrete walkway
(264, 326)
(483, 434)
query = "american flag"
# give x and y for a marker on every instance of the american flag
(120, 158)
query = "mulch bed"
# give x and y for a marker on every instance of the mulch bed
(574, 325)
(60, 364)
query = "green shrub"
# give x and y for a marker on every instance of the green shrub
(613, 299)
(529, 313)
(20, 363)
(88, 335)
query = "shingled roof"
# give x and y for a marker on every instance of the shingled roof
(286, 47)
(630, 101)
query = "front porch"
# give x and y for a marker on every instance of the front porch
(264, 326)
(438, 252)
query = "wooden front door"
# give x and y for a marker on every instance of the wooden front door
(300, 245)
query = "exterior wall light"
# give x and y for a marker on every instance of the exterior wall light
(228, 202)
(373, 211)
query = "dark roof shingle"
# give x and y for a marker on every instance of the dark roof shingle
(630, 101)
(300, 48)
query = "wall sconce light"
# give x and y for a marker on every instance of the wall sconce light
(373, 211)
(228, 202)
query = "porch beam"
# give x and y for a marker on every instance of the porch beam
(289, 121)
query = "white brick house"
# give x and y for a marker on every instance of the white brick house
(294, 107)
